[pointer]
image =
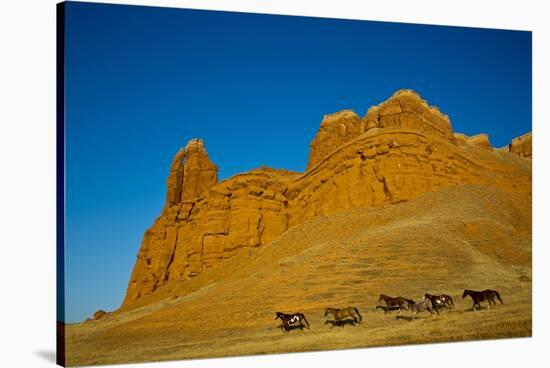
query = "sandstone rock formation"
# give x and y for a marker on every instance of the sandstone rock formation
(199, 173)
(335, 130)
(408, 110)
(208, 222)
(99, 314)
(478, 140)
(175, 179)
(522, 146)
(191, 173)
(400, 150)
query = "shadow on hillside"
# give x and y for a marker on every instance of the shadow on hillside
(340, 323)
(290, 328)
(477, 309)
(407, 318)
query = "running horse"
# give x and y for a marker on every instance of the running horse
(350, 314)
(400, 302)
(292, 321)
(442, 300)
(480, 296)
(425, 305)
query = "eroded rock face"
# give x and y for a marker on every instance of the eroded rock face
(481, 141)
(407, 109)
(175, 179)
(210, 224)
(478, 140)
(522, 146)
(199, 173)
(461, 139)
(99, 315)
(401, 149)
(191, 173)
(392, 165)
(335, 130)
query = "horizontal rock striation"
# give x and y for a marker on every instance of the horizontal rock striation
(407, 109)
(392, 165)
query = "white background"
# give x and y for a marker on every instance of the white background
(27, 180)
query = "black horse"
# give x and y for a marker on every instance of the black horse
(480, 296)
(292, 321)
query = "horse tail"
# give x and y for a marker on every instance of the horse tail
(358, 314)
(305, 320)
(498, 296)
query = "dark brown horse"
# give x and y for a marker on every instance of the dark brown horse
(344, 314)
(480, 296)
(292, 321)
(439, 301)
(402, 303)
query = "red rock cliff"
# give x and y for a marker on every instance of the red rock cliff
(401, 149)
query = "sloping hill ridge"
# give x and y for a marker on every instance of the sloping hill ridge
(470, 236)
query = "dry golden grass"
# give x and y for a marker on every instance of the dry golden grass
(462, 237)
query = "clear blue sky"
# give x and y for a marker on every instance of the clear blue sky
(141, 81)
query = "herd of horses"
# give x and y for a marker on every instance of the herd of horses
(350, 315)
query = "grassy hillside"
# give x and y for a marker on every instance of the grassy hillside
(461, 237)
